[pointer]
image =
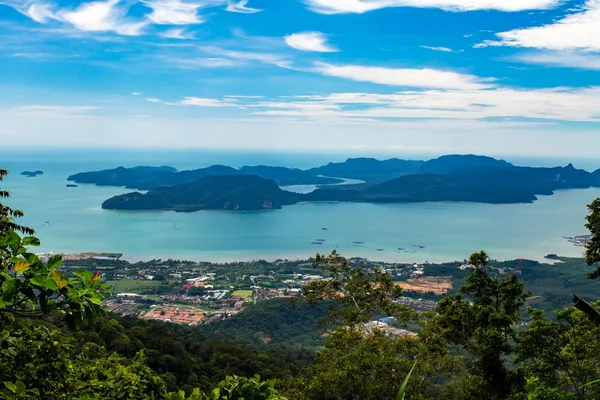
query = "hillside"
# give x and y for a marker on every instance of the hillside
(368, 169)
(225, 192)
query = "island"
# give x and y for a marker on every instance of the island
(70, 185)
(146, 178)
(32, 174)
(455, 178)
(215, 192)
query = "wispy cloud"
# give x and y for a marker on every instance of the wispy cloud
(197, 101)
(112, 15)
(510, 107)
(177, 33)
(420, 78)
(173, 12)
(240, 7)
(443, 49)
(363, 6)
(102, 16)
(579, 30)
(310, 41)
(563, 59)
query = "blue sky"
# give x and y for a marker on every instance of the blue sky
(499, 77)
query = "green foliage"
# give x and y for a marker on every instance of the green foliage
(563, 353)
(485, 325)
(535, 390)
(358, 295)
(113, 377)
(274, 321)
(592, 251)
(362, 362)
(31, 289)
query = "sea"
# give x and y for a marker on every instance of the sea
(71, 220)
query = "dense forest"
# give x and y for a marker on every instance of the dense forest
(58, 342)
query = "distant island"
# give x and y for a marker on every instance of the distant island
(32, 174)
(146, 178)
(70, 185)
(466, 178)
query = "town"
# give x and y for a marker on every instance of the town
(195, 293)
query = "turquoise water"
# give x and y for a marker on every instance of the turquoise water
(449, 231)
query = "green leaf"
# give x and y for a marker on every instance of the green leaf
(402, 392)
(11, 386)
(55, 261)
(85, 275)
(590, 383)
(10, 288)
(44, 281)
(31, 241)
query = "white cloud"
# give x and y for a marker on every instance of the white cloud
(197, 101)
(362, 6)
(206, 102)
(177, 33)
(137, 93)
(243, 56)
(565, 59)
(173, 12)
(557, 104)
(40, 12)
(111, 15)
(422, 78)
(102, 16)
(240, 7)
(577, 31)
(434, 48)
(310, 41)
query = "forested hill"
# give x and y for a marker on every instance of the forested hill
(226, 192)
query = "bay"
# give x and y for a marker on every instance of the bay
(448, 231)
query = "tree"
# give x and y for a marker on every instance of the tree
(360, 360)
(592, 257)
(592, 248)
(563, 354)
(8, 214)
(484, 325)
(357, 295)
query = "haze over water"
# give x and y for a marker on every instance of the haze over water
(449, 231)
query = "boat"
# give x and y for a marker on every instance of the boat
(359, 242)
(324, 229)
(380, 249)
(319, 240)
(319, 243)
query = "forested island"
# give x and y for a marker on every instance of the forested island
(466, 178)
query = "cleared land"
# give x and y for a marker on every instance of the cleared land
(428, 284)
(131, 286)
(246, 294)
